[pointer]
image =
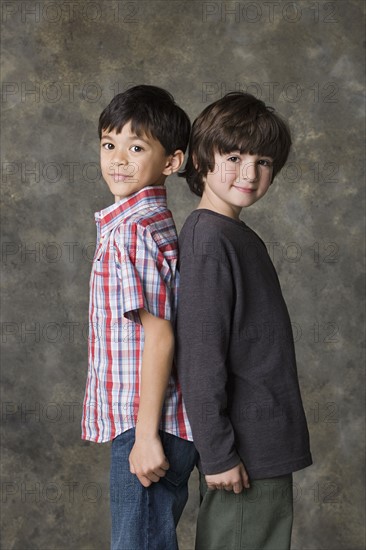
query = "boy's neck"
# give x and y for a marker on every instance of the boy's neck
(117, 198)
(209, 203)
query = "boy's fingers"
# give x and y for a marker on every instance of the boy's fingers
(144, 481)
(160, 472)
(163, 466)
(153, 477)
(238, 487)
(245, 479)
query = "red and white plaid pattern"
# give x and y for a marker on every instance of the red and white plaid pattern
(134, 267)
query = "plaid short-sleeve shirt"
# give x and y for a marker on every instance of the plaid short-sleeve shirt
(134, 267)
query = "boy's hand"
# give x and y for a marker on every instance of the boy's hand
(232, 480)
(147, 460)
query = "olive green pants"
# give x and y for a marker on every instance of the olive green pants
(259, 518)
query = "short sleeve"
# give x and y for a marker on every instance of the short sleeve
(147, 278)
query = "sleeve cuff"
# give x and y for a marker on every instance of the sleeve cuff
(218, 467)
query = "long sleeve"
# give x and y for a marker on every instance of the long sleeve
(205, 303)
(236, 363)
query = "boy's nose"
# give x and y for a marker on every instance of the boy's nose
(119, 158)
(249, 171)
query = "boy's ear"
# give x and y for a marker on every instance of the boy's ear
(175, 161)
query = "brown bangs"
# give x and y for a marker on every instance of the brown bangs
(237, 122)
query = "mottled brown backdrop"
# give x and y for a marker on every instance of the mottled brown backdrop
(62, 63)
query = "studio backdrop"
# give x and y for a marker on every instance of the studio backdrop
(62, 63)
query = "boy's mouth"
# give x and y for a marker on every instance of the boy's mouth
(119, 177)
(244, 189)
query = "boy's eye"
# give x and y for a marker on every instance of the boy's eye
(234, 159)
(108, 146)
(136, 148)
(265, 162)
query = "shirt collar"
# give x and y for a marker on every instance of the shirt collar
(110, 217)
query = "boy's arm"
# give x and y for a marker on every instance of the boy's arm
(147, 458)
(204, 331)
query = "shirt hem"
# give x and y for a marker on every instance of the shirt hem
(258, 473)
(119, 431)
(280, 469)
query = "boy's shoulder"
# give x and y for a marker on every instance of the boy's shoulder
(152, 225)
(206, 221)
(148, 215)
(206, 232)
(205, 225)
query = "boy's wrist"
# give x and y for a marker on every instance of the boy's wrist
(146, 428)
(146, 434)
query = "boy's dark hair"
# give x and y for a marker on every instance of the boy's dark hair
(152, 111)
(236, 122)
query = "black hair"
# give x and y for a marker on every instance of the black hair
(152, 111)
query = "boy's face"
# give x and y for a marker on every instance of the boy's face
(238, 180)
(130, 163)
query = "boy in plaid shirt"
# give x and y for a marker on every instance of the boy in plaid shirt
(132, 396)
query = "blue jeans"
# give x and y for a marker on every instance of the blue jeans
(146, 518)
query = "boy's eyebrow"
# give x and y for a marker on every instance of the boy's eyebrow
(131, 137)
(235, 151)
